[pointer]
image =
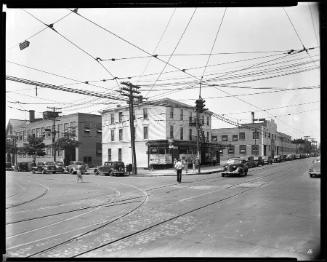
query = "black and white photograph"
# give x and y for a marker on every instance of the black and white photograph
(163, 132)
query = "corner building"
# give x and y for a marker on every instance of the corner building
(164, 130)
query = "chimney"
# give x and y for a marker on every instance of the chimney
(252, 113)
(32, 115)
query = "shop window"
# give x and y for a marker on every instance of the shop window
(242, 149)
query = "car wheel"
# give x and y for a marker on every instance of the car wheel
(222, 175)
(53, 172)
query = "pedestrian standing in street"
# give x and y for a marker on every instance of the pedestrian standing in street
(179, 168)
(79, 173)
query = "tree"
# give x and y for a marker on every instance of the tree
(34, 147)
(68, 143)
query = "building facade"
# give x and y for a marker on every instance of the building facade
(254, 139)
(164, 130)
(85, 127)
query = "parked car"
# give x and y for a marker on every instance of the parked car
(60, 168)
(258, 161)
(44, 168)
(267, 160)
(290, 157)
(277, 159)
(23, 166)
(297, 156)
(9, 166)
(251, 163)
(111, 168)
(235, 166)
(74, 166)
(314, 170)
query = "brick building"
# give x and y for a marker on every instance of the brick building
(254, 139)
(164, 130)
(86, 127)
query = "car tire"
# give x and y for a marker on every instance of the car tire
(222, 175)
(53, 172)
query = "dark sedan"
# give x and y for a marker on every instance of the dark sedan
(112, 168)
(235, 167)
(44, 168)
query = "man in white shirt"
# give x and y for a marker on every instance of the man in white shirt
(179, 168)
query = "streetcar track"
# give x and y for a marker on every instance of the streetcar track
(99, 227)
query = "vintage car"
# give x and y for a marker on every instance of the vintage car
(297, 156)
(9, 166)
(111, 168)
(258, 161)
(267, 160)
(60, 168)
(277, 159)
(23, 167)
(235, 167)
(251, 163)
(314, 170)
(75, 165)
(290, 157)
(44, 168)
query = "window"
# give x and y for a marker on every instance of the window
(235, 138)
(268, 135)
(181, 114)
(120, 134)
(87, 159)
(242, 149)
(109, 154)
(181, 133)
(231, 149)
(256, 135)
(171, 131)
(98, 149)
(112, 118)
(171, 112)
(24, 136)
(145, 113)
(202, 120)
(112, 134)
(120, 117)
(119, 154)
(265, 134)
(190, 135)
(224, 138)
(242, 135)
(99, 128)
(145, 132)
(208, 135)
(214, 138)
(208, 120)
(255, 150)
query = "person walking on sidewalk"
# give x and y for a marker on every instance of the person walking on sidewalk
(179, 168)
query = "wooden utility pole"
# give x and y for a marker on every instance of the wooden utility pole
(52, 115)
(130, 92)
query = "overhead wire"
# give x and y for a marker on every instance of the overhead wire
(96, 59)
(176, 46)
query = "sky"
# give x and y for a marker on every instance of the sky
(246, 58)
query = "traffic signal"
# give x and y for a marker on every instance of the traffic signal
(199, 105)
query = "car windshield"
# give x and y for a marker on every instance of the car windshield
(233, 161)
(79, 163)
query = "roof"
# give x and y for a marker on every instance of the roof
(14, 124)
(167, 102)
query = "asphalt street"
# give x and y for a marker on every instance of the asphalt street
(272, 212)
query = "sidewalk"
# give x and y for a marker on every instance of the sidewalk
(172, 172)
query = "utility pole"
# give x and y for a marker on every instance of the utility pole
(130, 92)
(53, 115)
(199, 108)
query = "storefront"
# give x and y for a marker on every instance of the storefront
(163, 153)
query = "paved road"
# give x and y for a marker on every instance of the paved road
(272, 212)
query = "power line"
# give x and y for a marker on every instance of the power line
(179, 40)
(77, 46)
(213, 45)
